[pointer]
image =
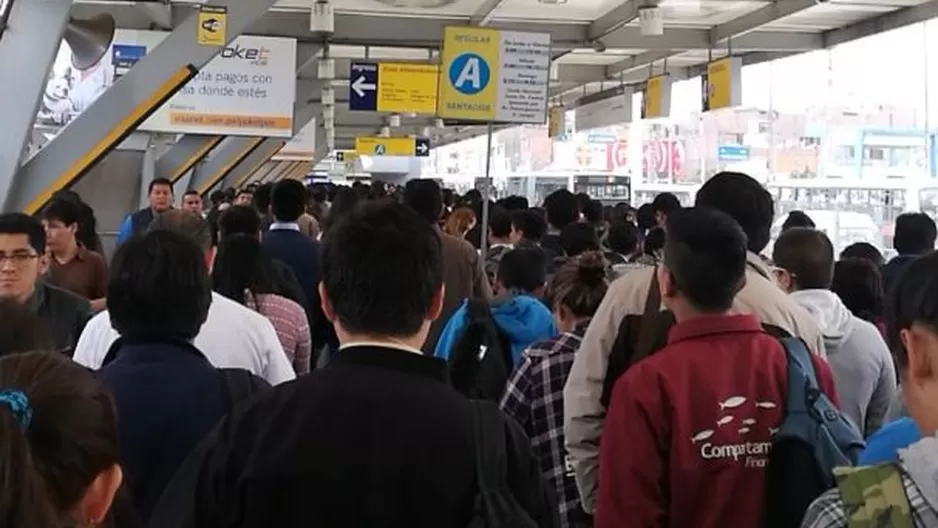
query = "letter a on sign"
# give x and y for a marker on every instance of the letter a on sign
(470, 73)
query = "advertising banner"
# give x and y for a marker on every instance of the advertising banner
(302, 147)
(247, 90)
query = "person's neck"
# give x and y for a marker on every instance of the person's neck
(66, 254)
(684, 312)
(408, 343)
(500, 241)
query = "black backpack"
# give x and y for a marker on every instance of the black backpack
(481, 361)
(495, 505)
(239, 386)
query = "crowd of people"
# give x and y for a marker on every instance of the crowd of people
(375, 355)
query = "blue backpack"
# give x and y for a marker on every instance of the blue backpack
(814, 438)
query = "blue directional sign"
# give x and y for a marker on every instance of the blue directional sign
(363, 86)
(421, 147)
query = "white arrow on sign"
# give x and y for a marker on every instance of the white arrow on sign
(422, 148)
(360, 86)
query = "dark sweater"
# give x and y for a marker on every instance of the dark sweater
(301, 254)
(377, 438)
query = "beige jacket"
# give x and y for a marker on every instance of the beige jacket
(463, 277)
(584, 413)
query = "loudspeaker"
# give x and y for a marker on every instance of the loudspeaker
(89, 39)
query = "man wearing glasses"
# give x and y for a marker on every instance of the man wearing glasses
(23, 262)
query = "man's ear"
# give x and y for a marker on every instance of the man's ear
(326, 304)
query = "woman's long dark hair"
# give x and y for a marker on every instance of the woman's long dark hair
(243, 265)
(50, 458)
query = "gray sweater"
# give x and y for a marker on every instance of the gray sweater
(863, 369)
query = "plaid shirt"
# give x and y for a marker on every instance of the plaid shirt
(534, 398)
(828, 510)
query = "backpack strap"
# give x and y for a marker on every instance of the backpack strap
(645, 343)
(799, 365)
(489, 441)
(874, 496)
(479, 312)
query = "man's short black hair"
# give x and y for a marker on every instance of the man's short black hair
(288, 200)
(913, 299)
(381, 266)
(622, 237)
(425, 197)
(160, 181)
(239, 220)
(863, 250)
(797, 219)
(705, 253)
(562, 208)
(915, 234)
(500, 222)
(577, 238)
(23, 224)
(192, 192)
(62, 210)
(523, 269)
(159, 287)
(808, 255)
(665, 203)
(593, 212)
(514, 203)
(859, 284)
(645, 216)
(745, 200)
(531, 223)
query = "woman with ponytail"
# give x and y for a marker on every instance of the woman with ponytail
(534, 395)
(58, 444)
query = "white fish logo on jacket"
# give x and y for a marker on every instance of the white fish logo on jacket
(732, 402)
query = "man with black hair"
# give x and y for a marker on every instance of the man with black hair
(863, 369)
(562, 209)
(663, 205)
(463, 275)
(232, 337)
(72, 267)
(167, 393)
(296, 456)
(797, 219)
(612, 339)
(527, 228)
(244, 197)
(160, 197)
(516, 307)
(23, 261)
(904, 487)
(499, 240)
(577, 238)
(675, 410)
(286, 243)
(192, 202)
(915, 235)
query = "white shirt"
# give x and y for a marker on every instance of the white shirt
(233, 336)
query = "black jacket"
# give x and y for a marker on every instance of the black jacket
(377, 438)
(64, 314)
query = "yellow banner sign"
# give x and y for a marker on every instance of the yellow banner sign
(723, 84)
(396, 146)
(405, 88)
(656, 101)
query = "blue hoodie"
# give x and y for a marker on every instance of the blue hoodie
(884, 445)
(523, 318)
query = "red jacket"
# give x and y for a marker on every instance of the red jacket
(689, 429)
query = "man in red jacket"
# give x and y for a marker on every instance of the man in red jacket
(690, 428)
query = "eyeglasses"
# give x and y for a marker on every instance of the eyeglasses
(18, 258)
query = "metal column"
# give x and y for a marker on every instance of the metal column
(238, 175)
(26, 53)
(123, 107)
(225, 158)
(183, 156)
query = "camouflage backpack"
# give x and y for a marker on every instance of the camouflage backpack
(874, 496)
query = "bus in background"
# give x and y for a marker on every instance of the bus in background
(644, 192)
